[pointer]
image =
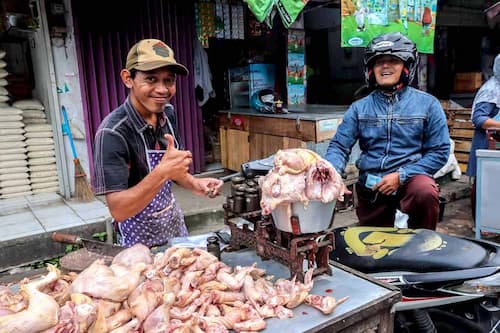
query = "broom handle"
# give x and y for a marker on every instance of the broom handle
(68, 131)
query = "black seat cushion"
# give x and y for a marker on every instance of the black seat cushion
(377, 249)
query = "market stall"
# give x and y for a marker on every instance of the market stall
(246, 134)
(272, 276)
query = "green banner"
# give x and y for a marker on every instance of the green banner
(260, 8)
(289, 10)
(364, 19)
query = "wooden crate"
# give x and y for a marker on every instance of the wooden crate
(461, 131)
(467, 82)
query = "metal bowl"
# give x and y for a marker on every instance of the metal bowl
(297, 219)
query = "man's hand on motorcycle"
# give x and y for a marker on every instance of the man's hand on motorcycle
(175, 162)
(389, 184)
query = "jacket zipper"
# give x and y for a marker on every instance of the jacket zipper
(389, 125)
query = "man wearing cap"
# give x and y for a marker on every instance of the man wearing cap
(137, 152)
(402, 135)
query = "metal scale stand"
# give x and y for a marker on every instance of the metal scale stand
(293, 250)
(255, 231)
(242, 226)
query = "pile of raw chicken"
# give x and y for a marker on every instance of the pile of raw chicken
(178, 290)
(299, 175)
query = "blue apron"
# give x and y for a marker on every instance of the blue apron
(161, 219)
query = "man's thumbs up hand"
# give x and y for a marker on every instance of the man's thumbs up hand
(170, 142)
(175, 163)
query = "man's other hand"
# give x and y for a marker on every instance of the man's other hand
(389, 184)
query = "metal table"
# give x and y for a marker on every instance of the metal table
(369, 304)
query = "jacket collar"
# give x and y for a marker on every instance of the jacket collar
(395, 96)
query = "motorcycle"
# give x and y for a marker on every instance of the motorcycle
(448, 284)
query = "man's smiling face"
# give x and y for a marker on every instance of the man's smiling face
(387, 70)
(150, 91)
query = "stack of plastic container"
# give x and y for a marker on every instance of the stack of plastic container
(40, 147)
(14, 177)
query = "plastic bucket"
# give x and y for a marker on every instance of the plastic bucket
(315, 217)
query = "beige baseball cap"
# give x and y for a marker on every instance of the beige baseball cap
(149, 54)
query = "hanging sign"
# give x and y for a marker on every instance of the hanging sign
(288, 9)
(362, 20)
(260, 8)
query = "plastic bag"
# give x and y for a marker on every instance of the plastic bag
(401, 220)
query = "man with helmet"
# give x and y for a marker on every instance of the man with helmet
(403, 137)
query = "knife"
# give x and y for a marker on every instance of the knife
(89, 244)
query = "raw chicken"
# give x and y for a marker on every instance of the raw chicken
(10, 302)
(281, 188)
(59, 291)
(183, 290)
(113, 283)
(76, 315)
(145, 298)
(158, 320)
(324, 183)
(325, 304)
(299, 175)
(130, 327)
(133, 255)
(42, 312)
(294, 161)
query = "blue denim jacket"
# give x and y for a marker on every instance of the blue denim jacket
(405, 132)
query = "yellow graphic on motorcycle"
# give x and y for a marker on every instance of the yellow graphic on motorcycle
(378, 242)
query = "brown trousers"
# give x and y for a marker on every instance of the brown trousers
(418, 197)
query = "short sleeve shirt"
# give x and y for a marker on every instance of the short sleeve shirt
(120, 147)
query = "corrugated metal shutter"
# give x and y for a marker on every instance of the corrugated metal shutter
(102, 47)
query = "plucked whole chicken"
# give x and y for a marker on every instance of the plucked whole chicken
(178, 290)
(300, 175)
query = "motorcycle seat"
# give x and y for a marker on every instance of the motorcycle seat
(377, 249)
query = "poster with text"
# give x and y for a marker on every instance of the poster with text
(296, 68)
(363, 20)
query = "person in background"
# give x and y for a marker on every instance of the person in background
(137, 154)
(484, 116)
(402, 135)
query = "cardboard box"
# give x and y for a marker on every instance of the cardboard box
(467, 82)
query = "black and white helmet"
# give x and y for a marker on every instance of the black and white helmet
(395, 44)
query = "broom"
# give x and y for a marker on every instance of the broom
(83, 192)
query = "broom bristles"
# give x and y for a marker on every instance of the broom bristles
(83, 192)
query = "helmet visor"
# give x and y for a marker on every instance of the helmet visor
(267, 98)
